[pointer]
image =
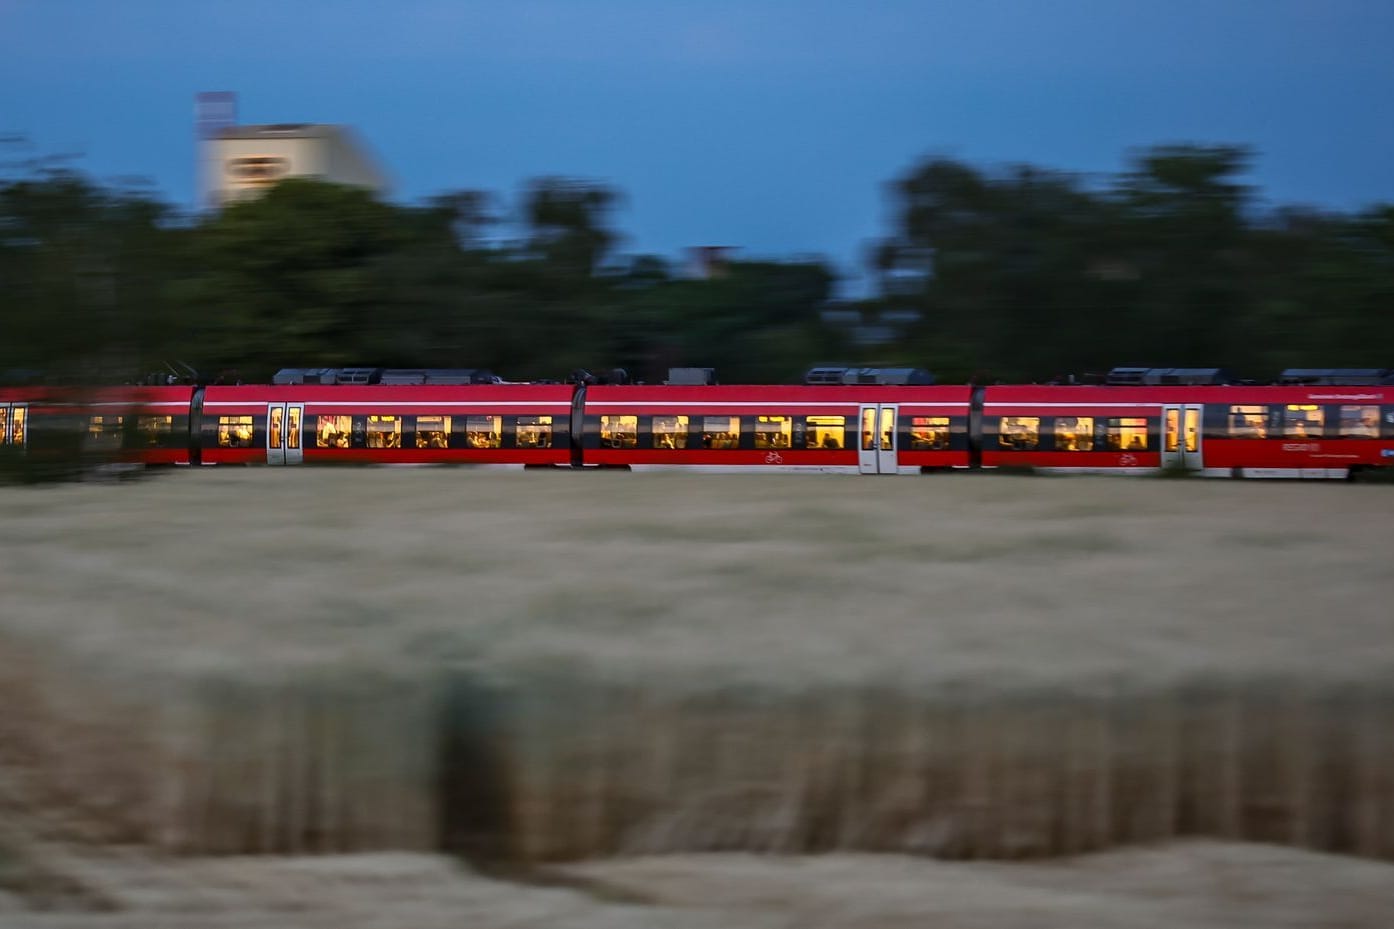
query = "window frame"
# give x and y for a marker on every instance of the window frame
(223, 430)
(533, 427)
(1081, 438)
(676, 427)
(1031, 425)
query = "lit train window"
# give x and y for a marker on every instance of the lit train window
(534, 431)
(619, 431)
(773, 431)
(487, 431)
(18, 422)
(1360, 422)
(929, 432)
(236, 431)
(1074, 433)
(154, 430)
(1248, 422)
(333, 431)
(721, 431)
(670, 432)
(1019, 432)
(1126, 434)
(432, 431)
(4, 424)
(1303, 420)
(828, 432)
(104, 431)
(384, 432)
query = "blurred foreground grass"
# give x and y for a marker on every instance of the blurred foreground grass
(523, 668)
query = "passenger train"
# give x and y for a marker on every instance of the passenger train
(1315, 424)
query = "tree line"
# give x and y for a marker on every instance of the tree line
(1014, 274)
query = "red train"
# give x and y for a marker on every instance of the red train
(1313, 430)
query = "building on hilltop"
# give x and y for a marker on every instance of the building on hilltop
(239, 162)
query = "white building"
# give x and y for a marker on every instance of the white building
(238, 162)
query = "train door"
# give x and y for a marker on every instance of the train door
(1181, 437)
(877, 453)
(283, 433)
(15, 428)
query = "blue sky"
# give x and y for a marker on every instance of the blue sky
(771, 125)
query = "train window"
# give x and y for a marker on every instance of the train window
(721, 431)
(104, 431)
(18, 422)
(773, 431)
(384, 432)
(1126, 434)
(1074, 433)
(293, 426)
(534, 431)
(1019, 432)
(670, 432)
(4, 424)
(1303, 420)
(1248, 422)
(619, 431)
(1360, 422)
(432, 431)
(154, 431)
(333, 431)
(929, 432)
(487, 432)
(828, 432)
(236, 431)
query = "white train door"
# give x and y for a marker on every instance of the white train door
(14, 428)
(1181, 437)
(283, 433)
(877, 454)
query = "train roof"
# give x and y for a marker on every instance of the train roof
(1336, 377)
(425, 376)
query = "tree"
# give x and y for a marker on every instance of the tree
(84, 271)
(294, 277)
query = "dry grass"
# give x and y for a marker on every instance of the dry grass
(989, 583)
(537, 666)
(1195, 884)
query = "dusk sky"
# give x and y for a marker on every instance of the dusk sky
(771, 125)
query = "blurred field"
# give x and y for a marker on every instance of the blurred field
(527, 668)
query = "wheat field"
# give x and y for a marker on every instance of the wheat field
(527, 668)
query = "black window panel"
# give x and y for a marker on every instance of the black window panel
(590, 431)
(1214, 421)
(458, 437)
(747, 437)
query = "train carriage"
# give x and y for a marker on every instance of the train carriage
(137, 425)
(867, 429)
(1235, 430)
(489, 424)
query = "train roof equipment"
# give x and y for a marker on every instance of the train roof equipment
(1336, 377)
(845, 374)
(1137, 377)
(361, 376)
(691, 377)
